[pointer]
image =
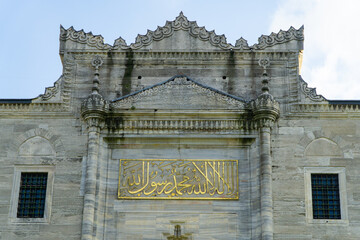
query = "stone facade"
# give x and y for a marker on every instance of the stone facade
(195, 115)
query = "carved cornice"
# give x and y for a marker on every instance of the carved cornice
(279, 38)
(325, 108)
(117, 125)
(310, 92)
(181, 23)
(32, 107)
(177, 82)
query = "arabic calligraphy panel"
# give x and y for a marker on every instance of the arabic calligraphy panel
(178, 179)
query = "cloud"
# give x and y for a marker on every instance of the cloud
(331, 51)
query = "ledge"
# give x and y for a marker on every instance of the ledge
(26, 101)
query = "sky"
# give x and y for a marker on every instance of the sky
(29, 34)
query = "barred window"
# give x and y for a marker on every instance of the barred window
(325, 196)
(32, 195)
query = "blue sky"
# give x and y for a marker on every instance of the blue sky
(29, 59)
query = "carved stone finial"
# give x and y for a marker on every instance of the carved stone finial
(96, 62)
(264, 62)
(94, 108)
(242, 44)
(265, 108)
(120, 43)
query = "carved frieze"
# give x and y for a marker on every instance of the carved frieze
(171, 125)
(325, 108)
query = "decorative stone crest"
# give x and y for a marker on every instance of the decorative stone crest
(120, 43)
(181, 23)
(280, 37)
(96, 41)
(51, 92)
(310, 92)
(242, 44)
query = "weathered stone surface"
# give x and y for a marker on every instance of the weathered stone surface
(180, 92)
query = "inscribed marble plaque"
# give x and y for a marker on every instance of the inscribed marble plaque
(178, 179)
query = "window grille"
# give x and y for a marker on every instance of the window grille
(325, 196)
(32, 195)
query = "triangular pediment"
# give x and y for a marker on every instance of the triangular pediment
(179, 92)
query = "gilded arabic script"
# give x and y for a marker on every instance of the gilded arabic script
(178, 179)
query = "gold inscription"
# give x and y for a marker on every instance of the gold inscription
(178, 179)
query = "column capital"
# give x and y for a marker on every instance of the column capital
(266, 110)
(93, 110)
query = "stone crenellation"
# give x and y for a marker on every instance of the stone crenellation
(181, 23)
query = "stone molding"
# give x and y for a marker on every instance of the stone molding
(18, 169)
(310, 92)
(311, 135)
(325, 108)
(42, 107)
(180, 23)
(68, 78)
(95, 122)
(246, 57)
(168, 126)
(341, 171)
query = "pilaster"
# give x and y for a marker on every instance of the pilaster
(266, 110)
(93, 111)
